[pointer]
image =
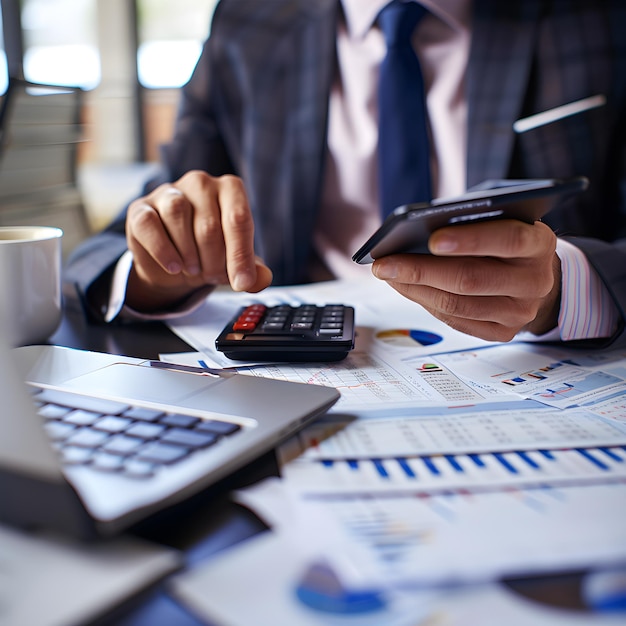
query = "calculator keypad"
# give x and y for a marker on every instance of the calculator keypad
(288, 333)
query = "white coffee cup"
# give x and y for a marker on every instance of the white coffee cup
(30, 282)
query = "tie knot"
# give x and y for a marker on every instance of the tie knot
(398, 20)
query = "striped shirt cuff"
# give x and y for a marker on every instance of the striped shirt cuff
(587, 309)
(117, 294)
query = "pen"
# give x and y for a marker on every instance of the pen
(205, 371)
(553, 115)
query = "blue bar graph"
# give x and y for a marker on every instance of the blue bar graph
(612, 455)
(547, 454)
(505, 463)
(524, 456)
(454, 463)
(380, 468)
(407, 468)
(430, 465)
(451, 472)
(477, 460)
(593, 459)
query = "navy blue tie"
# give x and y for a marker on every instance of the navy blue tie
(403, 152)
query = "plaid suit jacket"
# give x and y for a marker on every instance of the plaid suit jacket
(257, 106)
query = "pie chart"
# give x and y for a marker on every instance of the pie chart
(321, 590)
(407, 338)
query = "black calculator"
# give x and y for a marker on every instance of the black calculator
(306, 332)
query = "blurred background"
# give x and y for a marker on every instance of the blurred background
(73, 157)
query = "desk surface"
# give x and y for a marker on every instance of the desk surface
(210, 522)
(143, 340)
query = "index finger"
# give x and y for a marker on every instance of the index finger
(238, 228)
(498, 238)
(223, 228)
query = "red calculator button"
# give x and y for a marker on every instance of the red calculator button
(246, 317)
(244, 325)
(250, 317)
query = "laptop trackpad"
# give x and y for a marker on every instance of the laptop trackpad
(139, 383)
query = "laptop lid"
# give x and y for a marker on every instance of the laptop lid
(85, 502)
(33, 487)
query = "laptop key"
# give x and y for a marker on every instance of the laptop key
(88, 438)
(58, 431)
(73, 455)
(123, 445)
(107, 462)
(112, 424)
(179, 420)
(138, 469)
(188, 438)
(143, 414)
(158, 452)
(53, 411)
(81, 417)
(145, 430)
(87, 403)
(217, 427)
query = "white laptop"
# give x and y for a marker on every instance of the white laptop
(92, 443)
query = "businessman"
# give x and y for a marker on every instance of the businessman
(274, 170)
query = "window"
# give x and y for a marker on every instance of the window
(60, 42)
(4, 70)
(170, 39)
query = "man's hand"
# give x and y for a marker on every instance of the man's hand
(491, 280)
(195, 232)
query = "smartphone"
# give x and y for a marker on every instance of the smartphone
(408, 228)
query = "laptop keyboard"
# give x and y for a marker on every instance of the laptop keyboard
(117, 437)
